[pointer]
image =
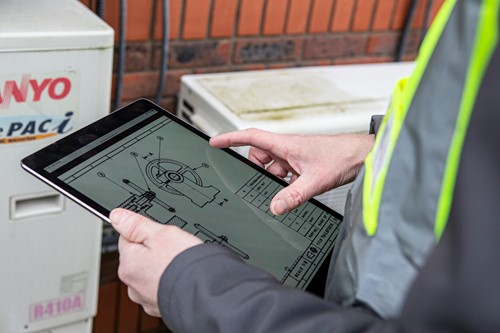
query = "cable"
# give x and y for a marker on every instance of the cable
(427, 18)
(100, 4)
(121, 53)
(406, 30)
(164, 51)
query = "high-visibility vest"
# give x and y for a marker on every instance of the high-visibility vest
(399, 204)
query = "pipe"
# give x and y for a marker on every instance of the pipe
(164, 51)
(427, 18)
(100, 4)
(404, 35)
(121, 53)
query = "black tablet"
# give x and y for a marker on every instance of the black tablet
(145, 159)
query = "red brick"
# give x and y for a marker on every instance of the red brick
(195, 54)
(138, 85)
(334, 46)
(384, 43)
(419, 18)
(320, 16)
(282, 66)
(309, 63)
(136, 57)
(262, 50)
(297, 16)
(400, 14)
(169, 104)
(196, 19)
(252, 67)
(342, 14)
(409, 57)
(128, 312)
(274, 20)
(145, 84)
(223, 16)
(413, 42)
(173, 82)
(86, 2)
(364, 60)
(205, 70)
(250, 17)
(383, 15)
(104, 321)
(436, 5)
(174, 14)
(363, 15)
(111, 16)
(138, 19)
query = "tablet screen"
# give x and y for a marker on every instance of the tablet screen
(154, 164)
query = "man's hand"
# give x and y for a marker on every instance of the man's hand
(146, 249)
(317, 163)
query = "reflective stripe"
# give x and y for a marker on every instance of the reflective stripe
(485, 41)
(415, 175)
(377, 162)
(402, 96)
(379, 269)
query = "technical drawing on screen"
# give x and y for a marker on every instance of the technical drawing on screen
(163, 173)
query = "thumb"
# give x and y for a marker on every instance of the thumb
(132, 226)
(294, 195)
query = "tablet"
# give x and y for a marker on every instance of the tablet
(143, 158)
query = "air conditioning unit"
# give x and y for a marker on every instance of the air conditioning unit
(55, 76)
(307, 100)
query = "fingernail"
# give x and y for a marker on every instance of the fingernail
(280, 207)
(117, 215)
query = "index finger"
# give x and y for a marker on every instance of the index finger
(248, 137)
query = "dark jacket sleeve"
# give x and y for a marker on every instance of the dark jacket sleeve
(206, 289)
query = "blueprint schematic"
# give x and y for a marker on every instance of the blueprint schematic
(163, 173)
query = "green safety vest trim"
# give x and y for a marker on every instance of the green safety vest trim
(377, 161)
(408, 178)
(485, 43)
(376, 165)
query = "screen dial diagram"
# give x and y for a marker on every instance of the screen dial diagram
(163, 178)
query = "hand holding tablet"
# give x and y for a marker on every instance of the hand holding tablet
(146, 160)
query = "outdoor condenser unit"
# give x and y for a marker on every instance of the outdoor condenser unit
(55, 76)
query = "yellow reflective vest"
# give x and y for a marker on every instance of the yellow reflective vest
(399, 204)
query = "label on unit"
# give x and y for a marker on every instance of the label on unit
(35, 106)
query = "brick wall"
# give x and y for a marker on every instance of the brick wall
(233, 35)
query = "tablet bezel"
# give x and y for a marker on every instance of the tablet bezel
(38, 161)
